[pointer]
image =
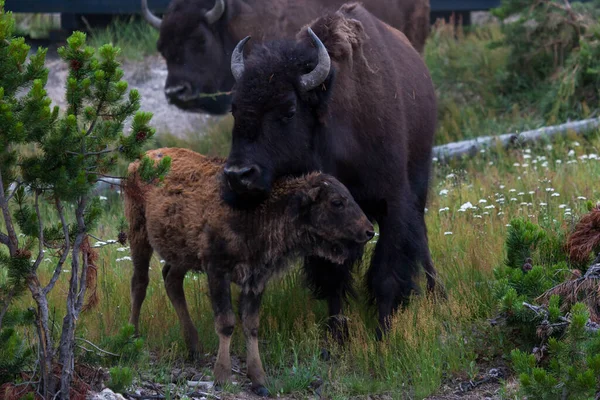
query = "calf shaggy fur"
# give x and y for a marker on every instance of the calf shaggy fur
(185, 220)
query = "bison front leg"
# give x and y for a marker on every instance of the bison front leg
(173, 278)
(220, 295)
(249, 314)
(333, 283)
(399, 250)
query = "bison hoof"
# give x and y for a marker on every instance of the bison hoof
(193, 355)
(260, 390)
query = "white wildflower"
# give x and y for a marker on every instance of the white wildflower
(102, 197)
(444, 209)
(443, 192)
(126, 258)
(447, 233)
(466, 206)
(555, 194)
(581, 198)
(481, 201)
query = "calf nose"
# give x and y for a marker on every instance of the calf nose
(241, 177)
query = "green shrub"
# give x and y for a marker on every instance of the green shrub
(120, 378)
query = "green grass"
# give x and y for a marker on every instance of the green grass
(135, 37)
(428, 341)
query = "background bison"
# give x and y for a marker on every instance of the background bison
(358, 104)
(198, 36)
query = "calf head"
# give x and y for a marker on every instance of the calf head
(280, 92)
(335, 224)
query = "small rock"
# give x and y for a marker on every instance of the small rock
(106, 394)
(206, 385)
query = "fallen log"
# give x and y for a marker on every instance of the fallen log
(473, 146)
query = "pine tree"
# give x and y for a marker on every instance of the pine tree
(73, 150)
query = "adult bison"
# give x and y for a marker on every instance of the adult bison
(198, 36)
(352, 98)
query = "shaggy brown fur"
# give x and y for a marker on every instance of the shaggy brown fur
(585, 238)
(186, 222)
(198, 54)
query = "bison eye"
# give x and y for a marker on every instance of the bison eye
(337, 203)
(288, 115)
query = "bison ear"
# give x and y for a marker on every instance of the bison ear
(308, 198)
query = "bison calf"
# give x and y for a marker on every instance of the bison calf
(186, 221)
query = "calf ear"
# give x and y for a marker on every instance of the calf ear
(309, 197)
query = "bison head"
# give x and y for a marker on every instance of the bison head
(280, 91)
(333, 219)
(194, 42)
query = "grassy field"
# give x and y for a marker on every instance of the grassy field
(470, 206)
(472, 201)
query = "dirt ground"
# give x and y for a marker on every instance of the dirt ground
(148, 77)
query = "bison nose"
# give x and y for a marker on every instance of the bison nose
(242, 177)
(181, 92)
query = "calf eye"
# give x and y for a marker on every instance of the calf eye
(337, 203)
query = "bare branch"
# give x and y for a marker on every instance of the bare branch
(18, 185)
(13, 242)
(105, 176)
(4, 238)
(93, 153)
(67, 247)
(96, 347)
(40, 256)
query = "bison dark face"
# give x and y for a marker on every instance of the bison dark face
(333, 218)
(195, 49)
(276, 101)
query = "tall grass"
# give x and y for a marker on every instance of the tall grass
(429, 341)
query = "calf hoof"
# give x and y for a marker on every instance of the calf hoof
(260, 390)
(222, 373)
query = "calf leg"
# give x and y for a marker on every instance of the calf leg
(249, 314)
(220, 295)
(141, 253)
(332, 282)
(173, 277)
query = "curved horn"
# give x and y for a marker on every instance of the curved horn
(237, 59)
(148, 16)
(214, 14)
(318, 75)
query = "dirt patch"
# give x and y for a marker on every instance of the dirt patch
(148, 77)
